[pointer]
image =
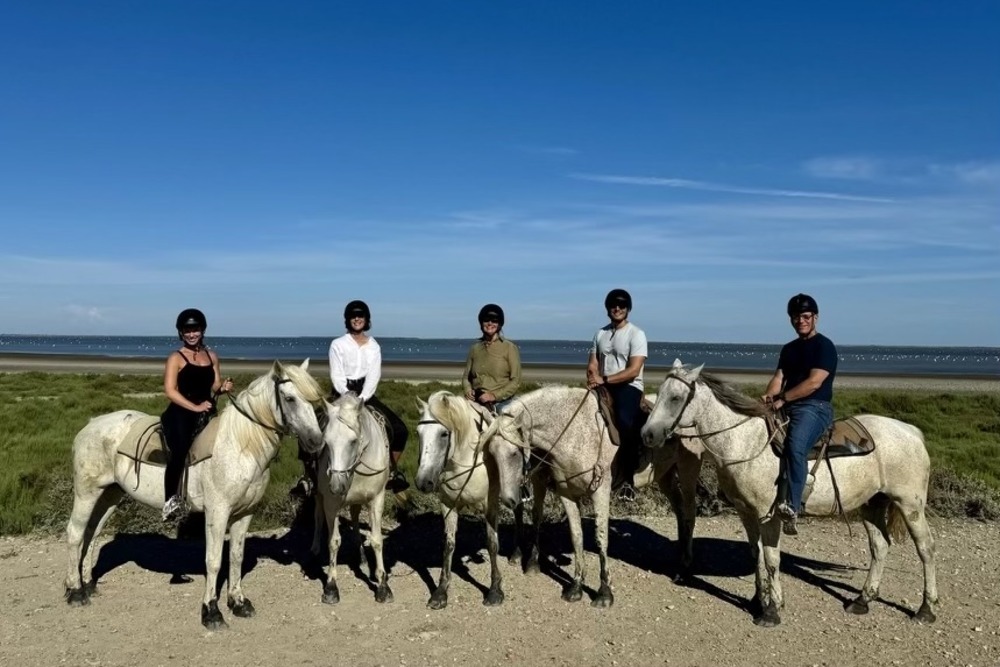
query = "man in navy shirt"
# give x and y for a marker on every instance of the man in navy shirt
(802, 386)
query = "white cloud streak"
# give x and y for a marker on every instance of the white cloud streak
(718, 187)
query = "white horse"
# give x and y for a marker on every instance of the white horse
(353, 471)
(887, 485)
(453, 464)
(562, 430)
(226, 486)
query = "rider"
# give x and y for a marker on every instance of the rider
(356, 365)
(191, 381)
(802, 386)
(617, 356)
(493, 367)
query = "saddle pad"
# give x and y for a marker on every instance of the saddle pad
(846, 437)
(144, 442)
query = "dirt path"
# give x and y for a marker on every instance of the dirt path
(140, 618)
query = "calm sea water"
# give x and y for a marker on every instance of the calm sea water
(872, 359)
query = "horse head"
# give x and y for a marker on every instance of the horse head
(299, 403)
(345, 443)
(670, 411)
(507, 444)
(435, 441)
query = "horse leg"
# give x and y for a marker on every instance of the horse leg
(916, 522)
(319, 518)
(539, 489)
(573, 591)
(216, 520)
(770, 534)
(495, 595)
(516, 555)
(602, 506)
(439, 599)
(764, 611)
(238, 603)
(331, 594)
(383, 593)
(79, 536)
(680, 486)
(359, 540)
(873, 516)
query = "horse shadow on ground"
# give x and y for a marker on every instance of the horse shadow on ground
(645, 549)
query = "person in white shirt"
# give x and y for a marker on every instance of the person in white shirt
(356, 365)
(617, 357)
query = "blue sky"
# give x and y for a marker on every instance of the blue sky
(267, 162)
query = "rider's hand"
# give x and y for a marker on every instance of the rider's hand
(487, 397)
(470, 396)
(204, 406)
(227, 386)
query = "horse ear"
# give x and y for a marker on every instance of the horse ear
(305, 364)
(276, 369)
(693, 375)
(677, 364)
(421, 404)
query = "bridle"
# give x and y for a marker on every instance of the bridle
(358, 460)
(692, 387)
(476, 462)
(283, 429)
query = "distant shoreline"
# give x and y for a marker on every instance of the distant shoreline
(417, 371)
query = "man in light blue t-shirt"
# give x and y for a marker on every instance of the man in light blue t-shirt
(617, 356)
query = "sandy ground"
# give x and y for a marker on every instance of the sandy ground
(140, 618)
(451, 372)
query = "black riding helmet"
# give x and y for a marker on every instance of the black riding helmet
(191, 317)
(618, 296)
(491, 310)
(802, 303)
(357, 308)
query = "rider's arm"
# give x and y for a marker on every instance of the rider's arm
(338, 376)
(629, 373)
(467, 375)
(593, 372)
(374, 371)
(774, 386)
(808, 386)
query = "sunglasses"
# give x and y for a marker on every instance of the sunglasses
(490, 319)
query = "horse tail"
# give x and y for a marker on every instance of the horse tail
(895, 524)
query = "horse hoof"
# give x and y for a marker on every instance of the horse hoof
(856, 606)
(515, 557)
(494, 598)
(180, 579)
(77, 597)
(573, 593)
(383, 594)
(681, 579)
(91, 588)
(532, 567)
(331, 595)
(769, 618)
(242, 609)
(211, 617)
(438, 601)
(924, 614)
(605, 598)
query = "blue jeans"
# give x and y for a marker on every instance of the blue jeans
(807, 420)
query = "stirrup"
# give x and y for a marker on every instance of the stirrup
(526, 493)
(173, 508)
(302, 489)
(397, 482)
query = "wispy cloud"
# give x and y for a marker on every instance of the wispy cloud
(855, 168)
(719, 187)
(555, 151)
(90, 314)
(970, 173)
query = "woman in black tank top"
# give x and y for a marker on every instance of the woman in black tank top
(191, 380)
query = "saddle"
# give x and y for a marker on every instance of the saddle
(606, 406)
(144, 443)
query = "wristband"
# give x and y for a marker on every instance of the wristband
(605, 378)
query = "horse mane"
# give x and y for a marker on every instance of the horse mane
(257, 401)
(733, 398)
(453, 413)
(305, 383)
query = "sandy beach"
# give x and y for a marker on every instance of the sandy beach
(451, 372)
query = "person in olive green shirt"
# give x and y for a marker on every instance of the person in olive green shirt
(493, 368)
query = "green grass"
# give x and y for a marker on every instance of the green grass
(40, 413)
